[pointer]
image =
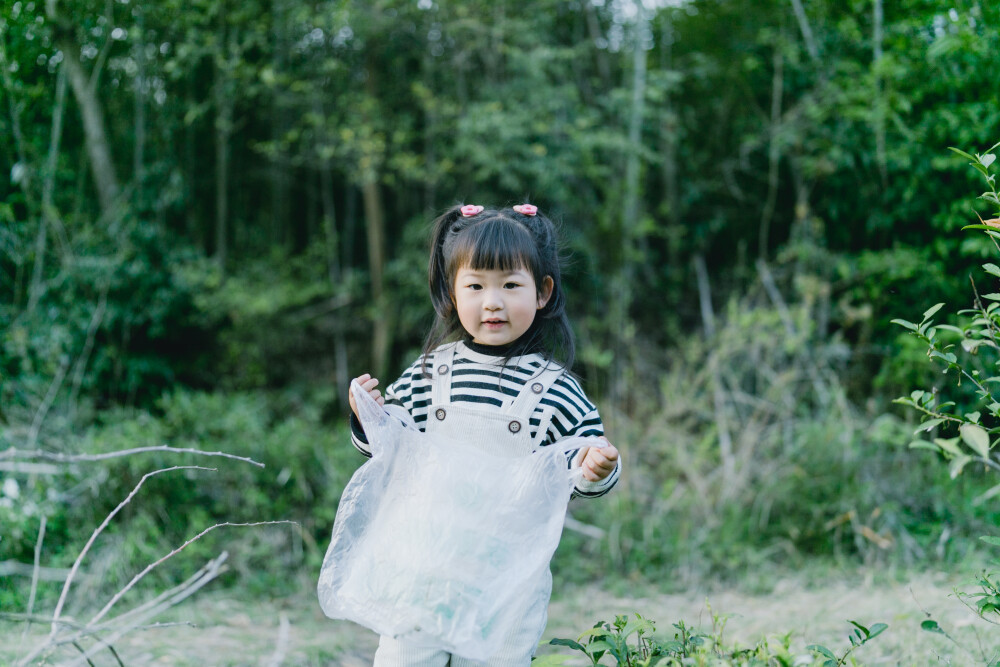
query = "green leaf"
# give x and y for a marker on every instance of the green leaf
(992, 296)
(992, 269)
(822, 650)
(931, 625)
(976, 438)
(949, 445)
(957, 464)
(903, 323)
(962, 153)
(923, 444)
(568, 642)
(987, 160)
(877, 629)
(991, 539)
(594, 632)
(555, 660)
(947, 356)
(600, 646)
(859, 627)
(637, 625)
(933, 309)
(929, 424)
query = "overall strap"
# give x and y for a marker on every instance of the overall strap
(533, 390)
(441, 369)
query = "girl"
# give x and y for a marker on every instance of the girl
(495, 283)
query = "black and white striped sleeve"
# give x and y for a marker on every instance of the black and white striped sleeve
(573, 414)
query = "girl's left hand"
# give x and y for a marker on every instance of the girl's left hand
(598, 463)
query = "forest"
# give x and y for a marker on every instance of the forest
(214, 214)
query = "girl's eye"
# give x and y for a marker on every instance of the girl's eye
(475, 286)
(511, 285)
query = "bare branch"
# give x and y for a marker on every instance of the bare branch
(98, 531)
(208, 573)
(152, 565)
(35, 573)
(13, 453)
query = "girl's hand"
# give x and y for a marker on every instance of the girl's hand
(598, 463)
(368, 383)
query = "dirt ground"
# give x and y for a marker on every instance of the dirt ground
(227, 631)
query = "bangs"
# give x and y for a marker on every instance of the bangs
(495, 245)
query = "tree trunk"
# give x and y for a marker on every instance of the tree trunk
(223, 93)
(138, 155)
(621, 296)
(382, 324)
(48, 190)
(341, 372)
(880, 157)
(98, 149)
(773, 154)
(807, 34)
(279, 173)
(669, 128)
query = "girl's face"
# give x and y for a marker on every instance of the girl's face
(495, 307)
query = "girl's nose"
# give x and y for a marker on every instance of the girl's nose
(492, 301)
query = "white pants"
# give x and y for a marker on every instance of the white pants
(518, 647)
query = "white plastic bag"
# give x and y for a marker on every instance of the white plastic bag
(438, 543)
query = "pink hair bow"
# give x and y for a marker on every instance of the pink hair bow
(471, 210)
(526, 209)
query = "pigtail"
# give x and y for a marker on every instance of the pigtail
(446, 227)
(444, 230)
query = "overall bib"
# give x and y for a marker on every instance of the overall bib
(504, 432)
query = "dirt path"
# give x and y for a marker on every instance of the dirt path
(228, 631)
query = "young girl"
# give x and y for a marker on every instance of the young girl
(495, 283)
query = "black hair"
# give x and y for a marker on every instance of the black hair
(500, 240)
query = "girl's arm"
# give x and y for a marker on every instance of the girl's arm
(573, 414)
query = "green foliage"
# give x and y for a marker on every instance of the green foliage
(746, 424)
(969, 353)
(634, 642)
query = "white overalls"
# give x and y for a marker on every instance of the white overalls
(502, 431)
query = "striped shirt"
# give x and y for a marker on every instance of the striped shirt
(480, 379)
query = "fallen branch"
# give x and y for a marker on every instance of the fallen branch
(14, 453)
(152, 565)
(98, 531)
(209, 572)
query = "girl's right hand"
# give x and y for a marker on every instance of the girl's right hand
(368, 383)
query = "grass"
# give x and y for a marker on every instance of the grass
(222, 627)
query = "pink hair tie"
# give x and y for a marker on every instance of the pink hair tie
(526, 209)
(471, 210)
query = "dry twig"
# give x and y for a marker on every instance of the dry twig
(14, 453)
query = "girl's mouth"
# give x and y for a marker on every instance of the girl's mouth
(493, 324)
